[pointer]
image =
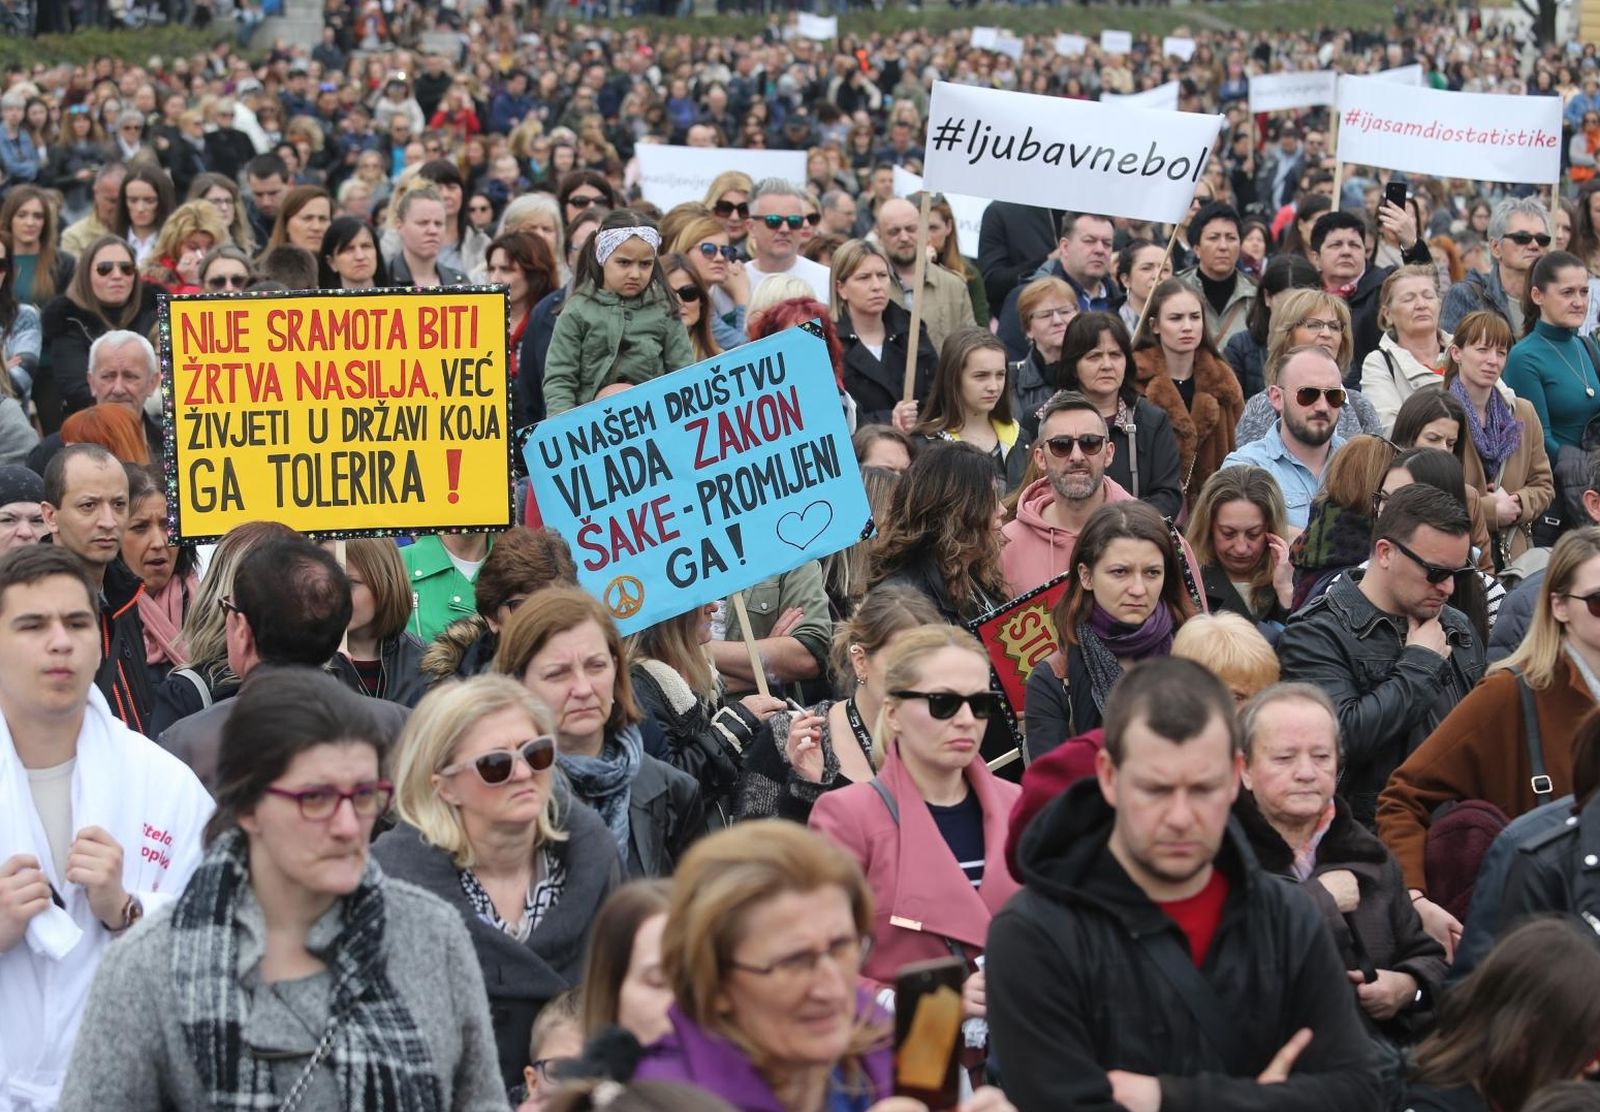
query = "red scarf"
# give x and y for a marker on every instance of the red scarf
(1342, 292)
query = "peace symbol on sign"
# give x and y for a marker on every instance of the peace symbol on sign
(624, 596)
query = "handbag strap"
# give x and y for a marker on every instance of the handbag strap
(1538, 779)
(1219, 1028)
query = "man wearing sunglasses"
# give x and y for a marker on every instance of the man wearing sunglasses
(1307, 394)
(1519, 234)
(777, 213)
(946, 305)
(1385, 645)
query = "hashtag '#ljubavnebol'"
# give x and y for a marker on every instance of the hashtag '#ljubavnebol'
(949, 134)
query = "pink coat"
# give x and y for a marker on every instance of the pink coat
(923, 899)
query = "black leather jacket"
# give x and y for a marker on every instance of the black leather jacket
(1556, 871)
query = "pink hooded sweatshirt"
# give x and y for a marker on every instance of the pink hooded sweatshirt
(1036, 551)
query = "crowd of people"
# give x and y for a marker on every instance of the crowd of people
(1294, 812)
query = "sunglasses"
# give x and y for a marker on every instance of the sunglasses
(1522, 239)
(1307, 396)
(687, 293)
(228, 282)
(105, 268)
(727, 251)
(583, 201)
(726, 209)
(1432, 572)
(1090, 444)
(497, 765)
(944, 704)
(813, 218)
(774, 221)
(1591, 601)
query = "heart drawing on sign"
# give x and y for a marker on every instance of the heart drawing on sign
(800, 529)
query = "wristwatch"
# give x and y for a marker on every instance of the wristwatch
(132, 912)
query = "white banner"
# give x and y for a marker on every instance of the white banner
(983, 38)
(1009, 45)
(968, 211)
(820, 28)
(1070, 46)
(672, 175)
(1400, 75)
(1478, 136)
(1177, 46)
(1279, 92)
(1116, 42)
(1037, 150)
(1163, 98)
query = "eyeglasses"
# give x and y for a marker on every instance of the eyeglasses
(552, 1071)
(845, 952)
(774, 221)
(1590, 601)
(497, 765)
(321, 804)
(227, 281)
(725, 209)
(813, 218)
(1315, 325)
(1090, 444)
(1522, 239)
(479, 209)
(105, 268)
(687, 293)
(727, 251)
(584, 200)
(1432, 572)
(944, 704)
(1307, 396)
(1066, 313)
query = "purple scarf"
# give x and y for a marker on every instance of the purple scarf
(1499, 435)
(1104, 641)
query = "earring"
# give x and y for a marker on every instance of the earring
(861, 681)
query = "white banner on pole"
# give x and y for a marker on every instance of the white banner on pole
(1070, 46)
(672, 175)
(817, 27)
(968, 211)
(983, 38)
(1280, 92)
(1478, 136)
(1178, 46)
(1116, 42)
(1036, 150)
(1163, 98)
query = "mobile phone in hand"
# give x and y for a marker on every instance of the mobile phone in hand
(927, 1031)
(1395, 194)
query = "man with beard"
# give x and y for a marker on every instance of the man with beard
(1148, 964)
(946, 305)
(1072, 453)
(1307, 394)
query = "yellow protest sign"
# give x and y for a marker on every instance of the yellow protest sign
(338, 413)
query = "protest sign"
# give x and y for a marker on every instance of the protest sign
(1163, 98)
(1070, 46)
(1009, 45)
(818, 27)
(337, 413)
(1280, 92)
(1116, 42)
(968, 211)
(1018, 635)
(1478, 136)
(670, 176)
(1400, 75)
(1037, 150)
(1178, 46)
(705, 481)
(984, 38)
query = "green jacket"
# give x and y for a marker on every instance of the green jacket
(601, 338)
(439, 593)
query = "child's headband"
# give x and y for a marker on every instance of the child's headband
(606, 242)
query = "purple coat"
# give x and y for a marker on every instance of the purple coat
(694, 1056)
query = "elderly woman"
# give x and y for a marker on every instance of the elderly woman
(483, 828)
(763, 947)
(288, 974)
(1299, 829)
(1410, 353)
(1045, 307)
(566, 650)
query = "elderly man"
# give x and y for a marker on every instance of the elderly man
(103, 217)
(1519, 233)
(777, 211)
(122, 371)
(946, 305)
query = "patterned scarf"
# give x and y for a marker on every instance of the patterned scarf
(1498, 436)
(1305, 858)
(1104, 641)
(605, 782)
(379, 1059)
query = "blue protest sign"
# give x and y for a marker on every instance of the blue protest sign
(702, 482)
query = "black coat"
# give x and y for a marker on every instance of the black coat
(227, 151)
(1057, 708)
(122, 677)
(706, 746)
(1032, 383)
(1248, 360)
(69, 330)
(1073, 993)
(1154, 447)
(876, 384)
(1222, 595)
(665, 815)
(1555, 871)
(400, 678)
(531, 355)
(521, 976)
(178, 696)
(1014, 241)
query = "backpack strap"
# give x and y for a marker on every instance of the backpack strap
(200, 684)
(1538, 780)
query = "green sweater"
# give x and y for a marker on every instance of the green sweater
(601, 338)
(1554, 370)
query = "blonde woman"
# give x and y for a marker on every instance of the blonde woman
(483, 828)
(1410, 353)
(1301, 317)
(189, 234)
(728, 198)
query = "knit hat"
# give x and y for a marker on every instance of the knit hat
(18, 484)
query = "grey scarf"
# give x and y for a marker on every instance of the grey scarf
(606, 782)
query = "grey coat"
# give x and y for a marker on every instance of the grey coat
(131, 1051)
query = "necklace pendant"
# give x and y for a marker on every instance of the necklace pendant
(1589, 390)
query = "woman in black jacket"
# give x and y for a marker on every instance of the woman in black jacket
(873, 330)
(75, 159)
(106, 295)
(1236, 528)
(1097, 361)
(485, 828)
(386, 660)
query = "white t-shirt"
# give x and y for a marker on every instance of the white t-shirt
(467, 568)
(814, 274)
(51, 789)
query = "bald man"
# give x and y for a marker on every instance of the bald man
(946, 305)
